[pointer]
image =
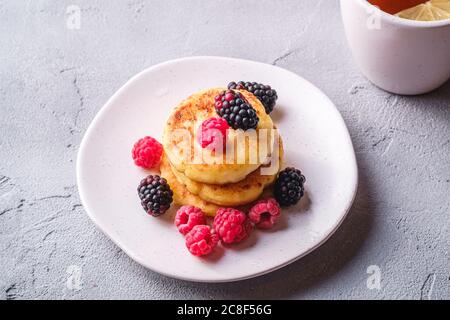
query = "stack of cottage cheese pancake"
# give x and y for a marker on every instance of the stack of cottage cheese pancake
(212, 178)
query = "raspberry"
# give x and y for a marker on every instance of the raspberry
(232, 106)
(147, 152)
(265, 94)
(265, 213)
(232, 225)
(201, 240)
(155, 195)
(289, 187)
(188, 217)
(213, 132)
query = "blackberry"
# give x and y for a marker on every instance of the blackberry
(232, 106)
(289, 187)
(265, 94)
(155, 195)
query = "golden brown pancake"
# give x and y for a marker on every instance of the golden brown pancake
(238, 193)
(181, 148)
(181, 195)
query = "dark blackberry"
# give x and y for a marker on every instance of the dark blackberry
(289, 187)
(265, 94)
(232, 106)
(155, 195)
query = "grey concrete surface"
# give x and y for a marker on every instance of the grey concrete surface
(54, 79)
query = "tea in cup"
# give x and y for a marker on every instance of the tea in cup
(402, 46)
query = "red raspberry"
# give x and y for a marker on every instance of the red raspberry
(213, 131)
(201, 240)
(147, 152)
(265, 213)
(188, 217)
(232, 225)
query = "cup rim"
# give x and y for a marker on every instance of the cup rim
(405, 22)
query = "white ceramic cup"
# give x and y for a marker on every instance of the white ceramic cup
(401, 56)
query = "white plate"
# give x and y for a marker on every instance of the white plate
(315, 138)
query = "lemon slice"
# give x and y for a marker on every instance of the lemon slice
(432, 10)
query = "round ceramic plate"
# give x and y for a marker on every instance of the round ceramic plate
(315, 139)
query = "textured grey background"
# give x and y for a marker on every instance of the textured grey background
(54, 80)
